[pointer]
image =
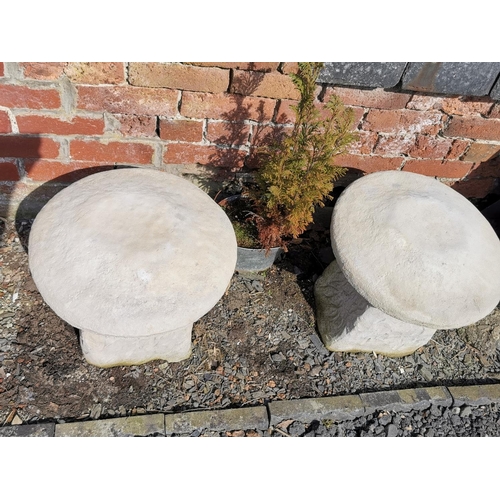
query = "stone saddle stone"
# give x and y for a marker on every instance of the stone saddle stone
(132, 257)
(412, 256)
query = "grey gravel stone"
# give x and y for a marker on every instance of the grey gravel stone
(391, 430)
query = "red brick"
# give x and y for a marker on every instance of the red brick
(227, 107)
(229, 134)
(403, 121)
(475, 188)
(38, 124)
(365, 143)
(479, 152)
(116, 152)
(45, 170)
(16, 96)
(9, 172)
(15, 146)
(265, 134)
(253, 66)
(474, 128)
(181, 130)
(205, 155)
(285, 113)
(458, 147)
(1, 69)
(495, 111)
(128, 100)
(290, 67)
(179, 76)
(436, 168)
(273, 85)
(137, 125)
(43, 70)
(368, 164)
(424, 103)
(466, 105)
(377, 98)
(394, 145)
(432, 147)
(95, 73)
(5, 126)
(490, 168)
(414, 145)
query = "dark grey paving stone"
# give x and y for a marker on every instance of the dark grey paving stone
(362, 74)
(495, 91)
(459, 78)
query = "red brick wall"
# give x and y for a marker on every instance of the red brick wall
(60, 120)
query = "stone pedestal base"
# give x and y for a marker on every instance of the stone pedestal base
(347, 322)
(106, 351)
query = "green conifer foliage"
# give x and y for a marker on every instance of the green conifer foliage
(299, 171)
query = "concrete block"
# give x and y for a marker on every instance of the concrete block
(30, 430)
(139, 426)
(334, 408)
(217, 420)
(475, 395)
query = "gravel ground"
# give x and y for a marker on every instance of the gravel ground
(259, 344)
(437, 421)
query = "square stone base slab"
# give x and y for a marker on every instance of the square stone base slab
(347, 322)
(106, 351)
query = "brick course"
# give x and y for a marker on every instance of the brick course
(60, 119)
(5, 125)
(179, 76)
(28, 147)
(181, 130)
(274, 85)
(404, 120)
(112, 152)
(17, 96)
(38, 124)
(46, 170)
(128, 100)
(8, 171)
(447, 168)
(227, 107)
(473, 127)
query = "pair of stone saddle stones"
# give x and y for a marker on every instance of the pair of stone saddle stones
(133, 257)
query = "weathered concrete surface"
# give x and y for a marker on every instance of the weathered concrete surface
(132, 253)
(334, 408)
(107, 350)
(347, 322)
(417, 250)
(406, 400)
(138, 426)
(30, 430)
(220, 420)
(475, 395)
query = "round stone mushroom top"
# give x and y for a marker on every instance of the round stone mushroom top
(132, 252)
(417, 250)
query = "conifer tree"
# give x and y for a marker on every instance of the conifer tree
(298, 171)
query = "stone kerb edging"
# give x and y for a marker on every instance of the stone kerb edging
(337, 408)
